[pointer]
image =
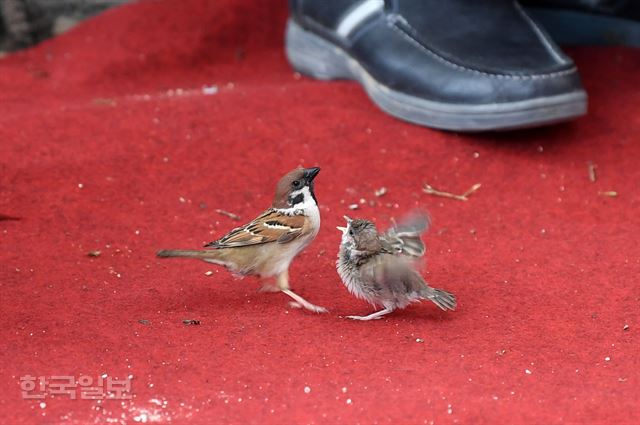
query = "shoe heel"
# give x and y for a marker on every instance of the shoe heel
(311, 55)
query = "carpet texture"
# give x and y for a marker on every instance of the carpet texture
(126, 135)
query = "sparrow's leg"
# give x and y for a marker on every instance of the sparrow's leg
(373, 316)
(304, 303)
(269, 287)
(283, 283)
(282, 280)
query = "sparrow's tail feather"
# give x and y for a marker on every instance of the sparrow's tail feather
(189, 253)
(443, 299)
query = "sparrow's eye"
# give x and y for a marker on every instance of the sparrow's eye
(351, 232)
(297, 183)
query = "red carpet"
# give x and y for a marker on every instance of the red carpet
(108, 143)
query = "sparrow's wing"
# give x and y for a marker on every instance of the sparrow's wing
(393, 277)
(271, 226)
(394, 274)
(405, 237)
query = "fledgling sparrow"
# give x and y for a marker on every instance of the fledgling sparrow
(266, 246)
(379, 268)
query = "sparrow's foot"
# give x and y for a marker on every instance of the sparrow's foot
(363, 317)
(372, 316)
(304, 303)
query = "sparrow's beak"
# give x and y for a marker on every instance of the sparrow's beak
(342, 229)
(310, 173)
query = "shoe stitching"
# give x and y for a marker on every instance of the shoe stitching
(392, 23)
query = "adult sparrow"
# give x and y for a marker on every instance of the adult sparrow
(266, 246)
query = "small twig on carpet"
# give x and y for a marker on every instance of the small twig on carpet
(591, 168)
(464, 197)
(191, 322)
(95, 253)
(231, 215)
(471, 190)
(104, 101)
(609, 193)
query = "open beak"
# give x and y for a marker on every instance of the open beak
(344, 229)
(311, 173)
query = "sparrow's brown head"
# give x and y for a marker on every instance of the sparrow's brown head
(360, 235)
(295, 189)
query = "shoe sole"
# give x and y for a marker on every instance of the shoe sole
(313, 56)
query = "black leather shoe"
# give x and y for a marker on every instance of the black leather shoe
(463, 65)
(589, 22)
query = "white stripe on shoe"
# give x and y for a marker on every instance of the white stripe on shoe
(357, 15)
